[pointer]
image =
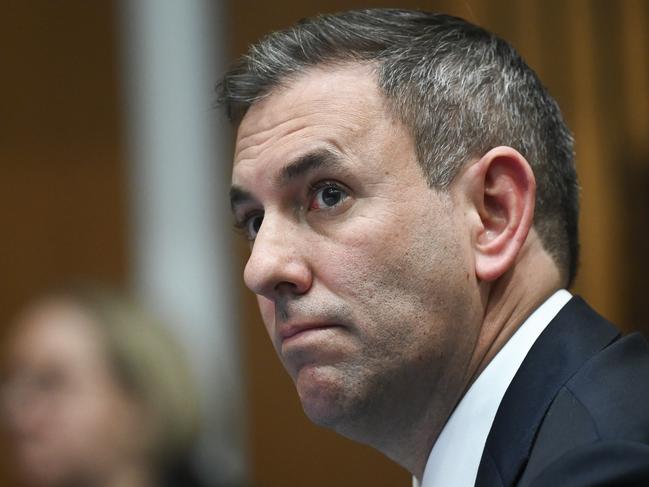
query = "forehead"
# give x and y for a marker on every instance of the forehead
(55, 330)
(333, 103)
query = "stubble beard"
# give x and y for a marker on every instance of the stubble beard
(372, 400)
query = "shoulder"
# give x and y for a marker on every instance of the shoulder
(613, 388)
(596, 430)
(581, 391)
(600, 463)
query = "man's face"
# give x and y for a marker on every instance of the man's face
(361, 270)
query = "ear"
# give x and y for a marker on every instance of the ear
(501, 191)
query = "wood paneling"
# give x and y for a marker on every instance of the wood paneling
(62, 201)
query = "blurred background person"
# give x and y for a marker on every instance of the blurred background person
(96, 393)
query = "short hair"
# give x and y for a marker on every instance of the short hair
(459, 90)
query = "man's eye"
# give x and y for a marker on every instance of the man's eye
(252, 226)
(328, 196)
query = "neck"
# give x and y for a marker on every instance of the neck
(509, 302)
(409, 426)
(506, 304)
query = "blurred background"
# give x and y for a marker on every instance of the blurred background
(115, 169)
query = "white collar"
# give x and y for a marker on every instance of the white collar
(455, 457)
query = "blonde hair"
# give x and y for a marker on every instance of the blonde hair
(148, 362)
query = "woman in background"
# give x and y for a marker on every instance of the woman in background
(96, 394)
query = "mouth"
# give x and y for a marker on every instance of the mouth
(292, 333)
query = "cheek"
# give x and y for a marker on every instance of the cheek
(77, 437)
(401, 276)
(88, 422)
(112, 432)
(374, 259)
(267, 310)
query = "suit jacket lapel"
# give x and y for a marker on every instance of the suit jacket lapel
(574, 336)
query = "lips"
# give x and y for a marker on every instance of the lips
(291, 332)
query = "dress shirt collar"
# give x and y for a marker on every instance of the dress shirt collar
(455, 457)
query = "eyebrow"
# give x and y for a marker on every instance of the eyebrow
(302, 165)
(306, 163)
(238, 196)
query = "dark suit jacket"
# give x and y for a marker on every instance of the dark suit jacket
(577, 411)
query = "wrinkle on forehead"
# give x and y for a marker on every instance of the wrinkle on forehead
(301, 126)
(341, 100)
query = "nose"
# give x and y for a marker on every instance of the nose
(278, 263)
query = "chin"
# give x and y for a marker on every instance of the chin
(325, 396)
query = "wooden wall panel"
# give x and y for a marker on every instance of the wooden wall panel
(62, 201)
(62, 184)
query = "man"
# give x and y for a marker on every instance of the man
(408, 189)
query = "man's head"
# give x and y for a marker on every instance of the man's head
(378, 175)
(458, 89)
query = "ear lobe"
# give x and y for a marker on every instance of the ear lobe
(504, 193)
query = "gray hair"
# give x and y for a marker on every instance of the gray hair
(459, 89)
